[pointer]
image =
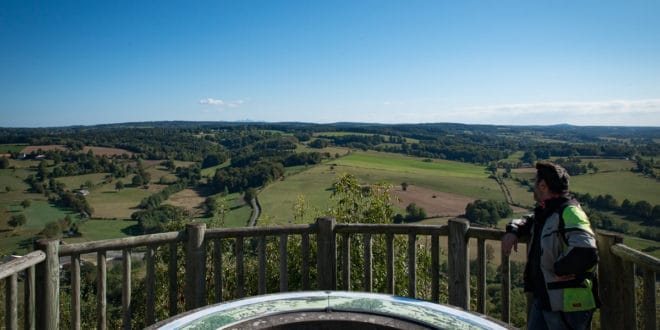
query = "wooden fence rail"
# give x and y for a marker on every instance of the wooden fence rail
(42, 268)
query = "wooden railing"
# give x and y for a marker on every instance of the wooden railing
(42, 308)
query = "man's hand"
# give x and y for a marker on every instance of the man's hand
(509, 240)
(563, 278)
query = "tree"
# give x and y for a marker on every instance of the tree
(26, 203)
(17, 220)
(404, 186)
(643, 209)
(119, 185)
(4, 163)
(137, 180)
(211, 205)
(414, 213)
(52, 230)
(212, 160)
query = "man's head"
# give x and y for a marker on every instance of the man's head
(551, 179)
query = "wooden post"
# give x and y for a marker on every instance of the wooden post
(47, 284)
(390, 263)
(195, 266)
(150, 286)
(459, 265)
(30, 299)
(240, 268)
(262, 264)
(326, 254)
(506, 290)
(481, 276)
(412, 265)
(172, 275)
(435, 267)
(610, 276)
(305, 262)
(649, 300)
(346, 262)
(11, 302)
(126, 289)
(368, 264)
(101, 290)
(284, 274)
(75, 292)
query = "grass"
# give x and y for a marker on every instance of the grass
(514, 157)
(446, 176)
(9, 148)
(75, 182)
(621, 185)
(99, 229)
(210, 171)
(314, 184)
(278, 198)
(109, 203)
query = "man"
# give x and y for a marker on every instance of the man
(561, 255)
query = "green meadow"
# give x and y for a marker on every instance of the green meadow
(9, 148)
(441, 175)
(315, 183)
(621, 185)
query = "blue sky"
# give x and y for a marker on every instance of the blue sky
(484, 62)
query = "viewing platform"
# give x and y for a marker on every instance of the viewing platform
(325, 250)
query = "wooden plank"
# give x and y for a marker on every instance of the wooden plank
(305, 262)
(412, 265)
(215, 233)
(405, 229)
(126, 289)
(14, 266)
(119, 243)
(75, 292)
(649, 302)
(368, 267)
(435, 268)
(284, 273)
(11, 302)
(262, 265)
(481, 276)
(101, 290)
(639, 258)
(389, 255)
(346, 262)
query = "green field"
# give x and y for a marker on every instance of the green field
(9, 148)
(315, 183)
(446, 176)
(278, 198)
(110, 203)
(621, 185)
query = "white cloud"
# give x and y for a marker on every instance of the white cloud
(221, 104)
(212, 101)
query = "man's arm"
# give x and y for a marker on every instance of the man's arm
(582, 253)
(516, 228)
(579, 260)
